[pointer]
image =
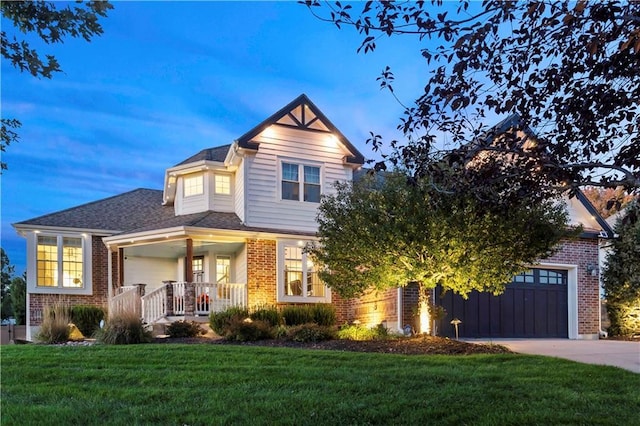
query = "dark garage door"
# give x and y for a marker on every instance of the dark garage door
(533, 305)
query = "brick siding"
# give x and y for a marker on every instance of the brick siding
(583, 252)
(261, 272)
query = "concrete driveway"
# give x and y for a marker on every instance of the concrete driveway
(603, 352)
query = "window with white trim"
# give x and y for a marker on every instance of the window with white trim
(222, 184)
(223, 264)
(193, 185)
(59, 261)
(301, 182)
(299, 277)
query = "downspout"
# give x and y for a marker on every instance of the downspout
(28, 331)
(400, 309)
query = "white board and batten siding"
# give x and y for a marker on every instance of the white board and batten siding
(264, 206)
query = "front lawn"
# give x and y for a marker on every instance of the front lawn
(177, 384)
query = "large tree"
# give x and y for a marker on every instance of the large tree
(386, 231)
(569, 69)
(51, 22)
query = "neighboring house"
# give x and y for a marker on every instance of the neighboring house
(229, 228)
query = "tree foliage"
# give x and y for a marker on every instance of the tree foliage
(608, 201)
(13, 291)
(383, 232)
(568, 69)
(5, 285)
(18, 294)
(621, 274)
(51, 22)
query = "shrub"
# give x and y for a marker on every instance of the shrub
(267, 313)
(321, 314)
(124, 329)
(297, 315)
(324, 314)
(245, 330)
(185, 329)
(87, 318)
(280, 332)
(55, 324)
(360, 332)
(220, 321)
(310, 332)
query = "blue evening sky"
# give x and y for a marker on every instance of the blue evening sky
(167, 79)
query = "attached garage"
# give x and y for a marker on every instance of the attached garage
(535, 304)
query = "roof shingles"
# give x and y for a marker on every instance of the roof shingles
(139, 210)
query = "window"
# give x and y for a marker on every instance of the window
(71, 262)
(542, 276)
(525, 277)
(293, 187)
(222, 269)
(193, 185)
(222, 184)
(300, 277)
(59, 262)
(222, 276)
(47, 261)
(197, 268)
(312, 184)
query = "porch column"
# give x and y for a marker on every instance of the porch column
(189, 299)
(169, 301)
(120, 267)
(189, 262)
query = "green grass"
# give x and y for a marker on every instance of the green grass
(222, 384)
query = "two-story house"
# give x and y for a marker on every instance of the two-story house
(229, 228)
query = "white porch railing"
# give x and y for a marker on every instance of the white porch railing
(127, 300)
(211, 297)
(154, 305)
(178, 298)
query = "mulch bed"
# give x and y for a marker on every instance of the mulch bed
(421, 345)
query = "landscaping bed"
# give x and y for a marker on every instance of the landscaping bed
(419, 345)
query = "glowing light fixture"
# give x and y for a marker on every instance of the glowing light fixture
(269, 132)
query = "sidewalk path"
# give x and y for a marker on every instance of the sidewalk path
(618, 353)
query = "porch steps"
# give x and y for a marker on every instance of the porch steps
(159, 327)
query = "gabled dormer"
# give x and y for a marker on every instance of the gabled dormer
(200, 183)
(300, 115)
(286, 163)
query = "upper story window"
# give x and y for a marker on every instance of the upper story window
(193, 185)
(222, 184)
(59, 261)
(300, 182)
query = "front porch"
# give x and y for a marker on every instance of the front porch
(178, 300)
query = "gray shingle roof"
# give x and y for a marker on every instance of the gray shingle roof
(218, 153)
(139, 210)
